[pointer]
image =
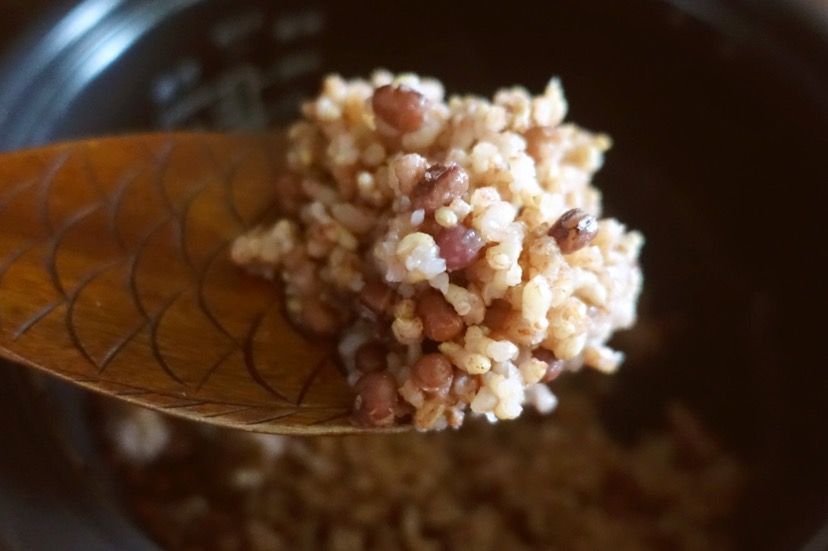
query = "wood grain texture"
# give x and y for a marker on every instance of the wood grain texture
(115, 274)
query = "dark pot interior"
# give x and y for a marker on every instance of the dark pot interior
(720, 120)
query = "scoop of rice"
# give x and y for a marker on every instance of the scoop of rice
(455, 247)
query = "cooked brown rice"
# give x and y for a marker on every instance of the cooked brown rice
(456, 247)
(539, 483)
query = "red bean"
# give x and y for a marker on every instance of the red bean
(440, 321)
(554, 366)
(376, 400)
(574, 230)
(441, 184)
(376, 298)
(371, 356)
(433, 373)
(400, 107)
(460, 246)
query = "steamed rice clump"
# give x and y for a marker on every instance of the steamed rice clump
(455, 247)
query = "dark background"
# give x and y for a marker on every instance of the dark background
(18, 14)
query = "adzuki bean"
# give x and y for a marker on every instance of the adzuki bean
(574, 230)
(441, 184)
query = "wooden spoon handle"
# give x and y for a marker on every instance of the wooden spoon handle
(115, 274)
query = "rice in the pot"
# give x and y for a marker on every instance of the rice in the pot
(558, 482)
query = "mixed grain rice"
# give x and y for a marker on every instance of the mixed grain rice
(539, 483)
(456, 247)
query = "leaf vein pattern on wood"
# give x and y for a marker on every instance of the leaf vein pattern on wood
(123, 273)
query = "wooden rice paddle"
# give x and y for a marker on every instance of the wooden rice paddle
(115, 274)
